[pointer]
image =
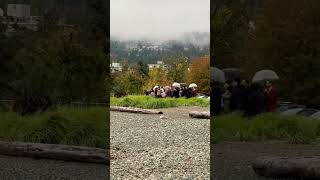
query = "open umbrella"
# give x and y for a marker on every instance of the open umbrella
(217, 75)
(176, 85)
(193, 85)
(156, 87)
(264, 75)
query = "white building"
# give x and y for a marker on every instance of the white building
(159, 63)
(115, 67)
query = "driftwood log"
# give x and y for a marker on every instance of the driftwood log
(55, 151)
(134, 110)
(201, 115)
(284, 167)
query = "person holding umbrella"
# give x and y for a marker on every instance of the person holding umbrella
(176, 90)
(271, 96)
(192, 90)
(217, 78)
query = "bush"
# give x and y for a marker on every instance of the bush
(295, 130)
(85, 126)
(51, 131)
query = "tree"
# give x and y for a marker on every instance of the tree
(229, 29)
(130, 81)
(199, 73)
(36, 71)
(143, 68)
(177, 69)
(287, 40)
(158, 76)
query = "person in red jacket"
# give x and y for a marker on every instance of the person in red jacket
(271, 97)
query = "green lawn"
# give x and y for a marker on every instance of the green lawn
(156, 103)
(294, 129)
(87, 126)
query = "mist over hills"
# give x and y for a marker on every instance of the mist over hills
(190, 45)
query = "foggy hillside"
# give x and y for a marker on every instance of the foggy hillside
(150, 50)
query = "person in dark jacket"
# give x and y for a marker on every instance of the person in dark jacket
(183, 91)
(176, 92)
(235, 95)
(216, 100)
(188, 93)
(255, 100)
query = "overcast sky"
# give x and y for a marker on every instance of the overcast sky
(165, 19)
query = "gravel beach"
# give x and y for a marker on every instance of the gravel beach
(145, 146)
(233, 160)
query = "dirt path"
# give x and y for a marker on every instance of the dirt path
(233, 160)
(19, 168)
(148, 147)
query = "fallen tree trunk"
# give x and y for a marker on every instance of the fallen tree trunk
(201, 115)
(134, 110)
(284, 167)
(55, 151)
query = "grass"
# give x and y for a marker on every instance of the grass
(156, 103)
(66, 125)
(269, 126)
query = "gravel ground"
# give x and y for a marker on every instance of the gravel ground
(232, 160)
(147, 147)
(19, 168)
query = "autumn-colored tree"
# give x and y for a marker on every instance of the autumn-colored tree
(158, 76)
(177, 69)
(130, 81)
(199, 73)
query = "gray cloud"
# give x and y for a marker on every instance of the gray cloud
(158, 19)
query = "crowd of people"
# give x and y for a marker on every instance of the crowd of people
(237, 95)
(176, 90)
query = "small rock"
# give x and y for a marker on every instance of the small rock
(163, 117)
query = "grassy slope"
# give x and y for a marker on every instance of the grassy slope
(66, 125)
(155, 103)
(294, 129)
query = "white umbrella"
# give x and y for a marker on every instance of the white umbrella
(176, 85)
(217, 75)
(265, 75)
(193, 85)
(156, 87)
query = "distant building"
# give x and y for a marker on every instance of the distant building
(115, 67)
(159, 63)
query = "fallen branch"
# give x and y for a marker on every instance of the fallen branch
(283, 167)
(201, 115)
(134, 110)
(55, 151)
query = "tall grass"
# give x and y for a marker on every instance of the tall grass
(294, 129)
(65, 125)
(156, 103)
